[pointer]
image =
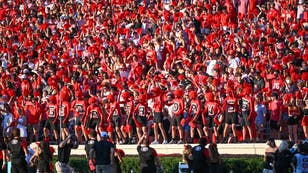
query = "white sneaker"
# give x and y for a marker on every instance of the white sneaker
(165, 142)
(155, 142)
(180, 142)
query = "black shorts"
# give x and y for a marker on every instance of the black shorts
(19, 165)
(198, 120)
(63, 124)
(77, 121)
(158, 117)
(245, 121)
(49, 124)
(130, 121)
(92, 123)
(123, 119)
(209, 121)
(177, 120)
(142, 120)
(292, 121)
(116, 121)
(231, 118)
(43, 167)
(274, 125)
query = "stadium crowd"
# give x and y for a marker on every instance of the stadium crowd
(174, 70)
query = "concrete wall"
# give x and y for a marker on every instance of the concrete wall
(253, 148)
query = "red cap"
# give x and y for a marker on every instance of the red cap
(155, 90)
(52, 98)
(78, 93)
(142, 98)
(209, 97)
(92, 100)
(305, 76)
(125, 95)
(193, 94)
(110, 97)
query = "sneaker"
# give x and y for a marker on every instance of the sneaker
(133, 141)
(121, 142)
(155, 142)
(180, 142)
(172, 142)
(190, 141)
(235, 140)
(165, 142)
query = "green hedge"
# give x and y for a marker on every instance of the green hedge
(170, 164)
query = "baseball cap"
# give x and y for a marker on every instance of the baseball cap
(104, 134)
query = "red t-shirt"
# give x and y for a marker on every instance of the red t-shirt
(64, 110)
(141, 109)
(178, 106)
(230, 105)
(94, 111)
(212, 109)
(275, 107)
(52, 110)
(33, 111)
(158, 103)
(195, 107)
(79, 107)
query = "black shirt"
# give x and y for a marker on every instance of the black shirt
(200, 158)
(45, 157)
(16, 150)
(102, 152)
(89, 144)
(147, 157)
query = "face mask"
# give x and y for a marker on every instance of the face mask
(288, 81)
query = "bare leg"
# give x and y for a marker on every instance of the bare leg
(290, 130)
(156, 131)
(295, 133)
(305, 129)
(162, 130)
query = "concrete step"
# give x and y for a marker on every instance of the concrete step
(169, 149)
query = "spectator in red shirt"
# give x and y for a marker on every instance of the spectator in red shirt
(64, 114)
(128, 107)
(194, 113)
(177, 111)
(33, 112)
(230, 108)
(293, 115)
(246, 112)
(140, 114)
(52, 109)
(94, 117)
(212, 113)
(158, 103)
(115, 116)
(78, 107)
(276, 116)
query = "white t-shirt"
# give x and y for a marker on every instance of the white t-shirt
(210, 67)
